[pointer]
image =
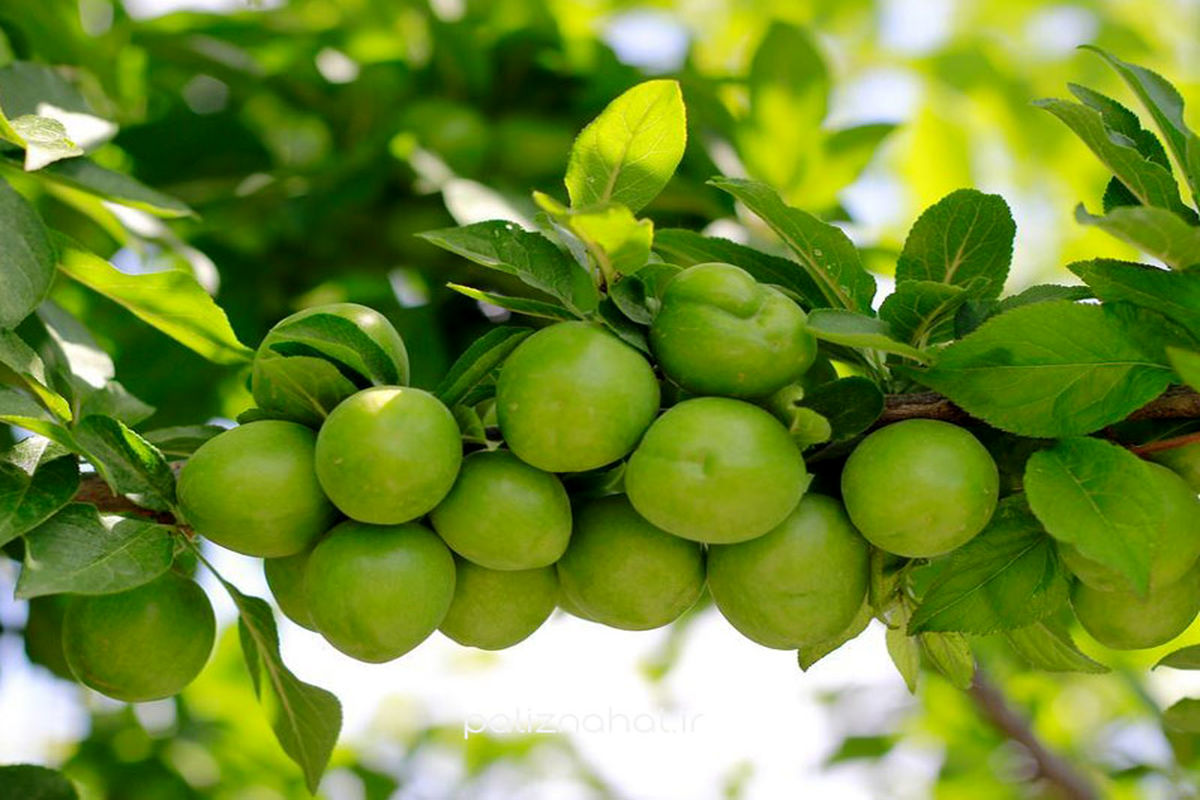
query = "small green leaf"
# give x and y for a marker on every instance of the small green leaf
(632, 334)
(181, 440)
(812, 653)
(479, 362)
(1101, 499)
(1156, 231)
(1187, 365)
(825, 252)
(639, 296)
(27, 366)
(1122, 122)
(18, 408)
(31, 782)
(1175, 295)
(533, 258)
(520, 305)
(1183, 658)
(302, 389)
(851, 405)
(171, 301)
(37, 478)
(79, 551)
(1047, 647)
(951, 655)
(45, 141)
(340, 341)
(617, 241)
(629, 153)
(1048, 369)
(129, 464)
(1007, 577)
(87, 176)
(858, 330)
(26, 258)
(922, 312)
(964, 238)
(687, 248)
(1183, 716)
(905, 653)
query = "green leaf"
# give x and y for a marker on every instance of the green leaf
(812, 653)
(529, 256)
(128, 463)
(964, 238)
(1101, 499)
(26, 258)
(520, 305)
(338, 340)
(306, 386)
(18, 408)
(851, 405)
(905, 652)
(1047, 647)
(1122, 122)
(45, 141)
(1048, 369)
(858, 330)
(31, 782)
(1175, 295)
(306, 719)
(1186, 364)
(81, 552)
(479, 362)
(974, 313)
(1151, 183)
(629, 153)
(951, 655)
(687, 248)
(1156, 231)
(181, 440)
(37, 478)
(1007, 577)
(87, 176)
(1183, 658)
(27, 366)
(1183, 716)
(171, 301)
(617, 241)
(639, 296)
(823, 250)
(632, 334)
(922, 312)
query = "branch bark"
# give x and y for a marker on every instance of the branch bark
(1067, 782)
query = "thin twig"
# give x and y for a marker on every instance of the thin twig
(1178, 402)
(1165, 444)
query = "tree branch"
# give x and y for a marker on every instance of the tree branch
(1068, 783)
(93, 489)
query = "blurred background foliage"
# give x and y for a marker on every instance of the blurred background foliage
(313, 138)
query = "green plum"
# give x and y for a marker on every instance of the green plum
(494, 609)
(285, 578)
(721, 332)
(254, 489)
(143, 644)
(920, 488)
(375, 592)
(1174, 546)
(301, 394)
(43, 633)
(716, 470)
(1183, 461)
(624, 572)
(1123, 620)
(800, 584)
(504, 514)
(573, 397)
(388, 455)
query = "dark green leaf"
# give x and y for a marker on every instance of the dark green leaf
(479, 362)
(302, 389)
(339, 340)
(30, 782)
(181, 440)
(1175, 295)
(1046, 647)
(811, 654)
(26, 258)
(629, 153)
(629, 332)
(27, 366)
(1007, 577)
(79, 551)
(858, 330)
(824, 251)
(37, 478)
(964, 238)
(922, 312)
(519, 305)
(686, 248)
(529, 256)
(1183, 716)
(171, 301)
(88, 176)
(1156, 231)
(129, 464)
(951, 655)
(1049, 369)
(850, 404)
(1123, 123)
(1101, 499)
(1183, 658)
(639, 296)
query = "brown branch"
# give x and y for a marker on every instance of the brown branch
(1067, 782)
(93, 489)
(1178, 402)
(1165, 444)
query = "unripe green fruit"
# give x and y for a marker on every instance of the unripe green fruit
(285, 578)
(388, 455)
(494, 609)
(1183, 461)
(253, 489)
(721, 332)
(504, 514)
(716, 470)
(624, 572)
(43, 633)
(283, 398)
(1123, 620)
(376, 592)
(573, 397)
(1174, 547)
(143, 644)
(568, 605)
(920, 488)
(800, 584)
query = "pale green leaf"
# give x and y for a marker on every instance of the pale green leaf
(858, 330)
